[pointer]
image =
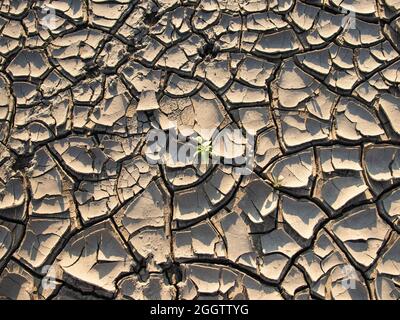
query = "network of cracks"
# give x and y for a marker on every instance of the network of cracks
(85, 215)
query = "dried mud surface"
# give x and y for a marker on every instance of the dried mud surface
(83, 215)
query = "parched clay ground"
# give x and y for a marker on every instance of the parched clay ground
(84, 215)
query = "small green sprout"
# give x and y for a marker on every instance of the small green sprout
(204, 148)
(277, 181)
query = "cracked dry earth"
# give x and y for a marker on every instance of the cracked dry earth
(316, 82)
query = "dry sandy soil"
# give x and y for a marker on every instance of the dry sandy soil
(85, 215)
